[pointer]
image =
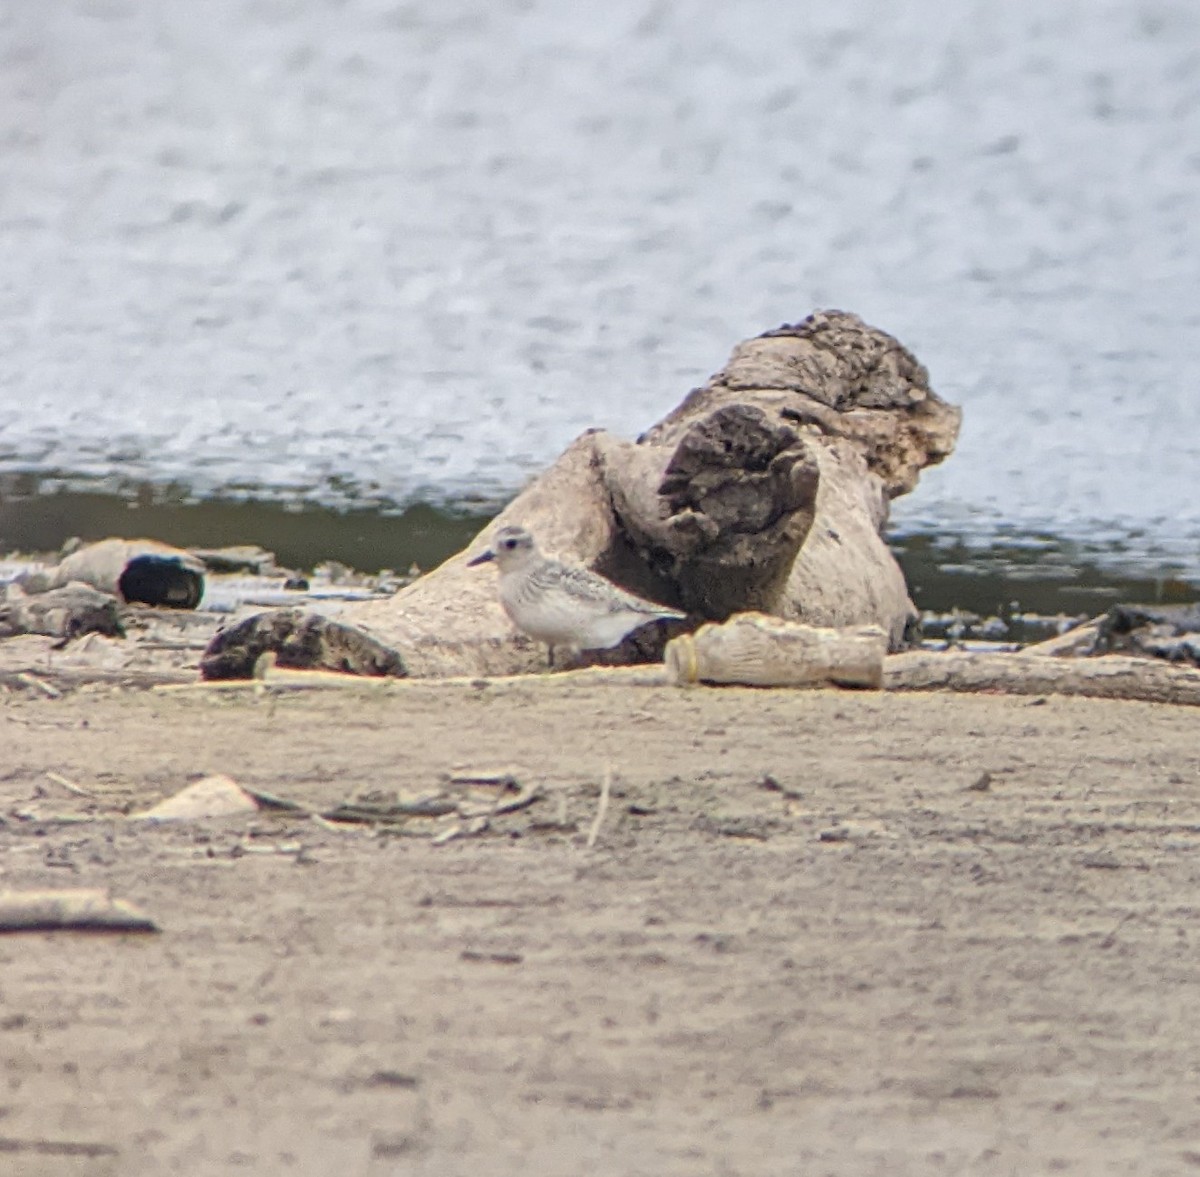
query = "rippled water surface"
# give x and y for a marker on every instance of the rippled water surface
(377, 252)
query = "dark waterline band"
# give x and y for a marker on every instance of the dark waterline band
(1041, 574)
(301, 535)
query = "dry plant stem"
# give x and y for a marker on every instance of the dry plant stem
(38, 685)
(340, 827)
(69, 785)
(601, 808)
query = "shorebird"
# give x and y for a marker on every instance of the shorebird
(560, 604)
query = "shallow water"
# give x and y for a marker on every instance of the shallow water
(376, 253)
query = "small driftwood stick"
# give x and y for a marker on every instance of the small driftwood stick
(77, 909)
(37, 684)
(601, 809)
(62, 679)
(1076, 642)
(69, 785)
(390, 811)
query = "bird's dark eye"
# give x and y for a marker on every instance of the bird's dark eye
(509, 544)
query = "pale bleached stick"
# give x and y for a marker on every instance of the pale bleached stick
(38, 684)
(69, 785)
(601, 809)
(287, 679)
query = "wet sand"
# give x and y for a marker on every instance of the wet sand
(812, 936)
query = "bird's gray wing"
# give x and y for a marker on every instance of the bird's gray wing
(599, 594)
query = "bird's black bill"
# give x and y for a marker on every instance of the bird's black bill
(482, 558)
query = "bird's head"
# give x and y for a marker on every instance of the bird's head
(511, 548)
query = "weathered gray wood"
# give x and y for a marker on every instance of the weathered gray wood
(1171, 632)
(720, 510)
(1109, 677)
(68, 612)
(298, 638)
(1074, 643)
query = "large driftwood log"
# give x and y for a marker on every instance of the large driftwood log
(766, 489)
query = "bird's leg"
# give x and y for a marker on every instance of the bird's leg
(550, 654)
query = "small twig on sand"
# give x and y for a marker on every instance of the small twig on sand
(57, 1148)
(601, 809)
(69, 785)
(477, 821)
(341, 827)
(477, 824)
(1111, 938)
(38, 684)
(447, 835)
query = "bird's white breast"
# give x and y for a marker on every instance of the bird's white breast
(556, 616)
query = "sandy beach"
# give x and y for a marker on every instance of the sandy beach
(314, 291)
(817, 932)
